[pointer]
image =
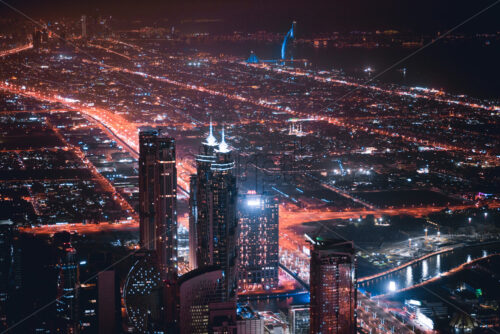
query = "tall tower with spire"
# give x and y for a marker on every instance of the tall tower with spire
(213, 217)
(198, 201)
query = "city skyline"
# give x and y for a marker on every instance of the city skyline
(249, 167)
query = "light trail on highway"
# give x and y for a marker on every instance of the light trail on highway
(126, 132)
(15, 50)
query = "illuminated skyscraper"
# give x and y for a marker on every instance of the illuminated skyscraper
(213, 221)
(258, 240)
(158, 200)
(223, 220)
(333, 287)
(158, 210)
(199, 203)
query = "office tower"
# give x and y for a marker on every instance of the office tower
(37, 39)
(107, 301)
(333, 287)
(88, 307)
(84, 26)
(197, 290)
(158, 200)
(298, 318)
(199, 203)
(222, 318)
(36, 261)
(143, 295)
(193, 218)
(216, 225)
(248, 321)
(67, 280)
(6, 267)
(223, 218)
(45, 36)
(158, 210)
(183, 244)
(258, 241)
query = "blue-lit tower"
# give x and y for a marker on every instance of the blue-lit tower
(289, 36)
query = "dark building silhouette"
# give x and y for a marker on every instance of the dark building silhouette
(37, 39)
(197, 290)
(45, 36)
(84, 26)
(193, 220)
(7, 230)
(223, 318)
(107, 301)
(88, 307)
(67, 281)
(333, 287)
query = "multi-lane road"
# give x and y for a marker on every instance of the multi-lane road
(15, 50)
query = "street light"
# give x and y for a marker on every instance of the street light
(409, 243)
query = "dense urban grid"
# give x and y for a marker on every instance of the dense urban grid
(150, 185)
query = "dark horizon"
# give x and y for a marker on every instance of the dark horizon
(321, 16)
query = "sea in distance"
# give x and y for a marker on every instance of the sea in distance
(469, 67)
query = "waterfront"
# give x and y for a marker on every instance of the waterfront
(404, 278)
(428, 268)
(441, 66)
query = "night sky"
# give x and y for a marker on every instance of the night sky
(312, 15)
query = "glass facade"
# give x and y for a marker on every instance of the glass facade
(142, 294)
(158, 211)
(158, 200)
(197, 290)
(258, 241)
(333, 287)
(213, 220)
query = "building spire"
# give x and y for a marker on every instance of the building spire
(223, 147)
(211, 141)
